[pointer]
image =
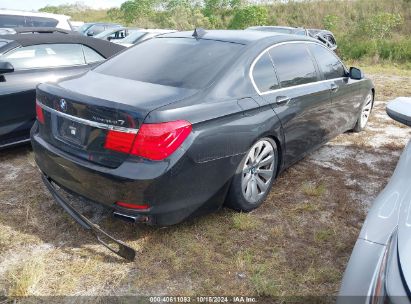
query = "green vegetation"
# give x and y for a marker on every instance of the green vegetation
(379, 30)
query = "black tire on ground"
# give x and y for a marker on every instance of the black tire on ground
(236, 197)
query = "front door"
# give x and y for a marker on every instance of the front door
(302, 102)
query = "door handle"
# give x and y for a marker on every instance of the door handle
(334, 87)
(282, 100)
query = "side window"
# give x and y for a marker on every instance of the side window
(12, 21)
(294, 64)
(329, 64)
(42, 22)
(264, 74)
(45, 56)
(91, 55)
(96, 29)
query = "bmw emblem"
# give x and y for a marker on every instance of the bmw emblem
(63, 105)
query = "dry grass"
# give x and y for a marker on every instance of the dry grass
(24, 279)
(311, 189)
(245, 221)
(297, 243)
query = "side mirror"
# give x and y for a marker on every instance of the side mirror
(400, 110)
(356, 74)
(6, 67)
(90, 33)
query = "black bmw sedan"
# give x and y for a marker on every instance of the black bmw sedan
(184, 123)
(34, 55)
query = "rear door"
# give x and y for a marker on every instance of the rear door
(301, 101)
(345, 92)
(34, 65)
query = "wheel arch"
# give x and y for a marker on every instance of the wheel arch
(280, 151)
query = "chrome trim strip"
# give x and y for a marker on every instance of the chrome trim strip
(300, 86)
(250, 73)
(15, 143)
(87, 122)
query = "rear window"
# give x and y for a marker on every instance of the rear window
(25, 21)
(278, 30)
(12, 21)
(45, 56)
(177, 62)
(41, 22)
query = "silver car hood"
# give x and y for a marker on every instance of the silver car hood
(392, 209)
(392, 206)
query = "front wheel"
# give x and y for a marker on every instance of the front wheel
(365, 113)
(254, 176)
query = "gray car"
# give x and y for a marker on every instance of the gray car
(379, 270)
(324, 36)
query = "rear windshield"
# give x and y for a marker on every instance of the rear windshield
(26, 21)
(177, 62)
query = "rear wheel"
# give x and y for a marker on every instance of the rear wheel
(365, 113)
(254, 176)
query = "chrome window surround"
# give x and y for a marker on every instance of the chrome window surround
(87, 122)
(250, 74)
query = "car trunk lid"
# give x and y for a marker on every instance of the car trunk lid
(79, 112)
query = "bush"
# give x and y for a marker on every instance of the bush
(249, 16)
(393, 50)
(381, 25)
(330, 22)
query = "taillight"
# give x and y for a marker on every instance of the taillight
(153, 141)
(39, 113)
(133, 206)
(119, 141)
(159, 141)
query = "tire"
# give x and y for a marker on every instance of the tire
(249, 195)
(365, 113)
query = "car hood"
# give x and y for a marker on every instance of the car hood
(404, 220)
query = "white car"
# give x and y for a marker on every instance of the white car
(141, 35)
(13, 19)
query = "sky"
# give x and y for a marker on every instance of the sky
(30, 5)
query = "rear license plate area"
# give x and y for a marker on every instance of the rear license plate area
(71, 131)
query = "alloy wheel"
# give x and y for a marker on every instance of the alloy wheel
(366, 111)
(258, 171)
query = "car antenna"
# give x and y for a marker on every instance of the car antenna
(199, 32)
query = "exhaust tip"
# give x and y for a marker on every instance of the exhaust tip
(131, 218)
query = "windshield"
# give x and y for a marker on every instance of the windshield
(133, 37)
(177, 62)
(2, 43)
(105, 33)
(84, 27)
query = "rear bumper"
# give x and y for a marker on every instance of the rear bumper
(119, 248)
(173, 192)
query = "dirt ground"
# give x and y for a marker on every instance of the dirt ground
(297, 243)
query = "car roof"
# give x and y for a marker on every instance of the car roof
(50, 30)
(276, 27)
(105, 48)
(239, 36)
(102, 23)
(33, 14)
(156, 31)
